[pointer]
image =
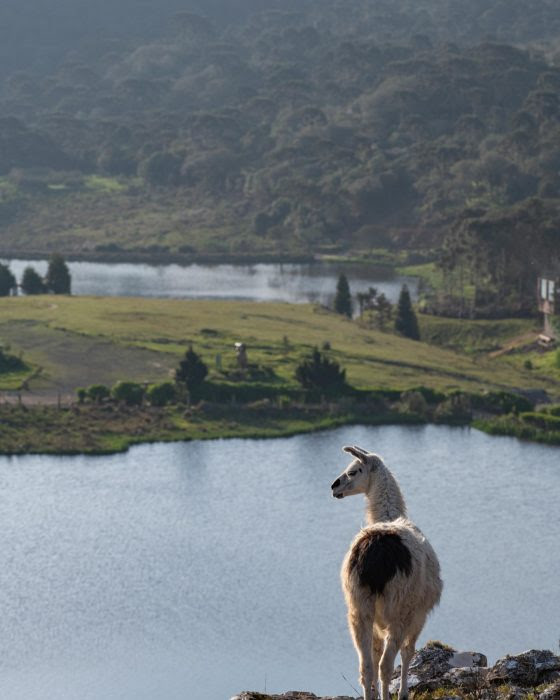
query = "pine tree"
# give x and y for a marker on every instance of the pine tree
(58, 278)
(7, 281)
(405, 321)
(317, 372)
(343, 299)
(31, 282)
(191, 371)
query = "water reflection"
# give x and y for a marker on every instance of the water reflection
(263, 282)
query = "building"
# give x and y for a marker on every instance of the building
(549, 305)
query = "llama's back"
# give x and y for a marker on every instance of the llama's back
(393, 565)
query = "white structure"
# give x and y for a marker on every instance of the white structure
(548, 291)
(390, 575)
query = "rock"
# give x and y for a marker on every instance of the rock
(465, 677)
(290, 695)
(550, 693)
(430, 665)
(527, 669)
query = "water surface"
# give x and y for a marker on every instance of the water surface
(196, 570)
(263, 282)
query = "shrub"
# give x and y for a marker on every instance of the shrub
(82, 394)
(10, 363)
(414, 402)
(343, 298)
(501, 402)
(130, 393)
(317, 372)
(161, 394)
(7, 281)
(32, 282)
(98, 392)
(58, 278)
(405, 321)
(191, 371)
(544, 421)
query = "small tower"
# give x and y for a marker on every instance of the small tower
(241, 349)
(548, 293)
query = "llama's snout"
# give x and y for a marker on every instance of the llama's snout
(335, 486)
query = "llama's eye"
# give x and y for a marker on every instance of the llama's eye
(352, 473)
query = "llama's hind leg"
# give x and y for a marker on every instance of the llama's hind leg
(377, 652)
(361, 626)
(392, 645)
(407, 651)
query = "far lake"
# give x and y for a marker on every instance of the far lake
(261, 282)
(196, 570)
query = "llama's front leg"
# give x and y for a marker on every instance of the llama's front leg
(361, 627)
(387, 664)
(407, 651)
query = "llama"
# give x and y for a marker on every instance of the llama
(390, 575)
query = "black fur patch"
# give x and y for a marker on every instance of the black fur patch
(377, 557)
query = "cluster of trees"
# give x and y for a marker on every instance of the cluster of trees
(307, 126)
(378, 308)
(57, 280)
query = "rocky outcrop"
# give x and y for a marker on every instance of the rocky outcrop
(528, 669)
(290, 695)
(464, 675)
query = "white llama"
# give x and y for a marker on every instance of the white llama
(390, 575)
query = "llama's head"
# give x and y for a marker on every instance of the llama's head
(356, 478)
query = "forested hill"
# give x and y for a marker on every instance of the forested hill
(279, 127)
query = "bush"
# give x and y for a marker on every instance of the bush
(58, 278)
(10, 363)
(7, 281)
(405, 321)
(414, 402)
(82, 394)
(429, 394)
(32, 282)
(161, 394)
(317, 372)
(129, 393)
(544, 421)
(98, 392)
(501, 402)
(343, 298)
(191, 371)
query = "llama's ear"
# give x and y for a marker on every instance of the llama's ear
(357, 452)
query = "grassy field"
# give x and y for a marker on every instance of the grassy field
(76, 341)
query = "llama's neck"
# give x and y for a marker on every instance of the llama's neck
(384, 498)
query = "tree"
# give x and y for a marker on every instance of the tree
(58, 279)
(130, 393)
(98, 392)
(32, 282)
(7, 281)
(191, 371)
(405, 320)
(161, 394)
(318, 372)
(343, 299)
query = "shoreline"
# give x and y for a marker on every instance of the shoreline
(103, 429)
(155, 259)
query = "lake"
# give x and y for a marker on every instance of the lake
(262, 282)
(197, 570)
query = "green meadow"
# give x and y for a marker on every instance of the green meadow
(77, 341)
